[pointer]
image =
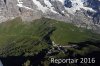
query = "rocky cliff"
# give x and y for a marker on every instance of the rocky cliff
(83, 13)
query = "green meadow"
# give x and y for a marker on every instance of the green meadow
(29, 38)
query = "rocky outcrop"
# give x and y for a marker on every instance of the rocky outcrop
(83, 13)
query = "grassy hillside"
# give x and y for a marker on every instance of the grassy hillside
(69, 33)
(21, 38)
(29, 38)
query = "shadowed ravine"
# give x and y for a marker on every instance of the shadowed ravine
(19, 60)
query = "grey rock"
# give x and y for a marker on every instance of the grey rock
(28, 11)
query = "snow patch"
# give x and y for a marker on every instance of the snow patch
(78, 5)
(40, 6)
(49, 5)
(44, 9)
(20, 4)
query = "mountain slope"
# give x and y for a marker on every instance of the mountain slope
(23, 38)
(80, 12)
(35, 42)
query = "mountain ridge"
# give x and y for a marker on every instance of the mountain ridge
(83, 13)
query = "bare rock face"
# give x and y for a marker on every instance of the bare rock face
(83, 13)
